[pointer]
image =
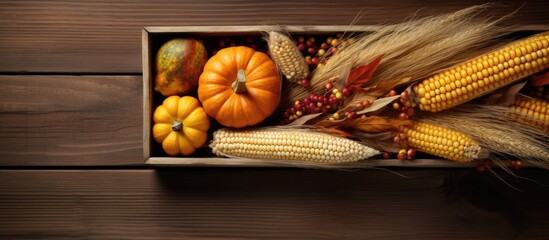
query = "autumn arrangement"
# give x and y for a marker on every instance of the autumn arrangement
(462, 87)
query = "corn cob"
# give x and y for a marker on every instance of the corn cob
(276, 144)
(531, 111)
(287, 57)
(483, 74)
(442, 142)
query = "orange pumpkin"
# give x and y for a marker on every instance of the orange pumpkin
(239, 87)
(180, 125)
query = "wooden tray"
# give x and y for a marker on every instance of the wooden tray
(153, 37)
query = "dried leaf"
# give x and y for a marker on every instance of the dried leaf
(304, 119)
(380, 141)
(540, 79)
(340, 82)
(506, 96)
(378, 104)
(361, 75)
(376, 124)
(373, 124)
(383, 87)
(335, 131)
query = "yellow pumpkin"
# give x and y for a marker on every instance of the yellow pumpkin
(180, 125)
(239, 87)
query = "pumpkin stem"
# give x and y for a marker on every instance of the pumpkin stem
(177, 125)
(239, 85)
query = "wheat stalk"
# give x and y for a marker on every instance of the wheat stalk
(494, 130)
(416, 48)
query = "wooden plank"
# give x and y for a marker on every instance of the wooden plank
(104, 36)
(70, 120)
(270, 204)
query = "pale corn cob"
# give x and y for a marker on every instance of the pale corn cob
(486, 73)
(287, 57)
(531, 111)
(442, 142)
(276, 144)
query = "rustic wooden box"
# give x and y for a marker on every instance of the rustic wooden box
(153, 37)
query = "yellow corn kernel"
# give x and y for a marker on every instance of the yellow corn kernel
(488, 72)
(442, 142)
(277, 144)
(287, 57)
(531, 111)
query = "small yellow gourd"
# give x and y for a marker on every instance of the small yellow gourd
(180, 125)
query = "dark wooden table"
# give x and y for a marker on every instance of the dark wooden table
(71, 141)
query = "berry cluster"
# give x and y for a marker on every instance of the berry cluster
(311, 105)
(317, 52)
(405, 106)
(405, 152)
(330, 101)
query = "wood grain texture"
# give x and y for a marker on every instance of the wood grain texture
(269, 204)
(104, 36)
(70, 120)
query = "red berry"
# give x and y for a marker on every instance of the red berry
(301, 47)
(410, 112)
(293, 110)
(309, 61)
(324, 45)
(333, 50)
(404, 96)
(312, 106)
(386, 155)
(305, 83)
(392, 93)
(320, 99)
(403, 116)
(352, 115)
(298, 107)
(403, 136)
(306, 101)
(401, 156)
(329, 85)
(309, 43)
(325, 109)
(411, 153)
(359, 106)
(516, 164)
(346, 92)
(481, 167)
(315, 60)
(366, 103)
(301, 39)
(396, 140)
(311, 50)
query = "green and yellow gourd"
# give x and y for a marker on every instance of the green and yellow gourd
(179, 63)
